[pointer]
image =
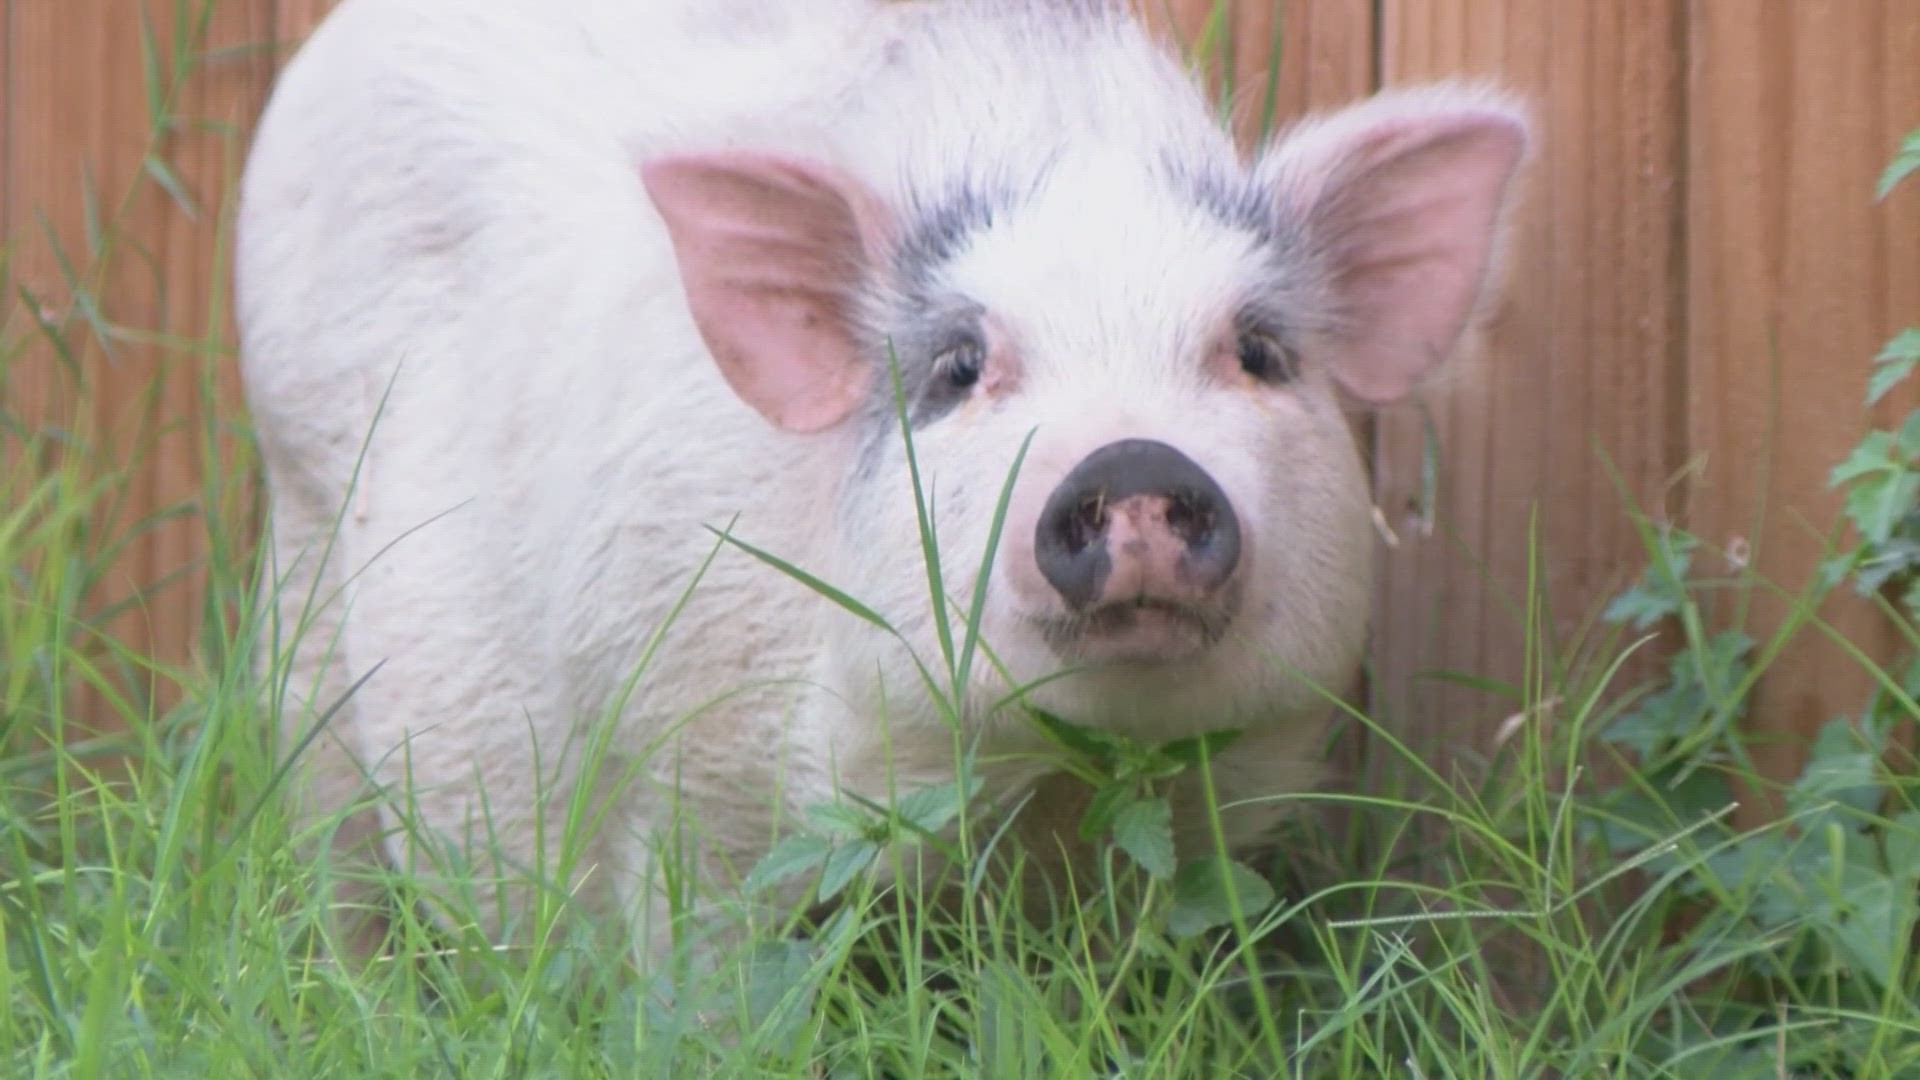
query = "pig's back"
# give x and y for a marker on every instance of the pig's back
(456, 180)
(442, 226)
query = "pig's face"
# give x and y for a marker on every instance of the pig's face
(1189, 529)
(1191, 496)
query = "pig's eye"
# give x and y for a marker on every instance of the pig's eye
(961, 364)
(1265, 359)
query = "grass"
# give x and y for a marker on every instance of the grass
(1580, 903)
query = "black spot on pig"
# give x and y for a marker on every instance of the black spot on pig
(1225, 193)
(941, 221)
(942, 229)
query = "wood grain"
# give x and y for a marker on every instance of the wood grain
(219, 105)
(73, 122)
(1582, 354)
(1796, 280)
(6, 149)
(1326, 56)
(79, 150)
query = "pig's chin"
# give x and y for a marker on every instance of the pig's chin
(1140, 632)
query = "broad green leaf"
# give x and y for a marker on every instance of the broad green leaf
(780, 988)
(793, 855)
(1148, 763)
(842, 866)
(1873, 454)
(1187, 751)
(1105, 807)
(1909, 440)
(1833, 571)
(1643, 606)
(1085, 740)
(1882, 487)
(1879, 564)
(1756, 867)
(1894, 364)
(1676, 712)
(1876, 929)
(1144, 830)
(1903, 845)
(1640, 819)
(930, 809)
(1644, 730)
(1200, 899)
(1843, 767)
(1661, 591)
(842, 819)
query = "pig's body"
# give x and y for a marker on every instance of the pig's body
(445, 209)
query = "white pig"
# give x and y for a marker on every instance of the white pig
(588, 279)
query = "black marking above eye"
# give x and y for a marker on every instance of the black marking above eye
(962, 363)
(1265, 358)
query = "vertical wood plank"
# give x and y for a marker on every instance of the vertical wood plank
(65, 119)
(1325, 60)
(1795, 110)
(59, 126)
(1582, 353)
(207, 152)
(78, 94)
(6, 142)
(75, 119)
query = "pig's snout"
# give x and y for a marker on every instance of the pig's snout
(1137, 524)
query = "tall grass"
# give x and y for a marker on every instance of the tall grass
(1588, 909)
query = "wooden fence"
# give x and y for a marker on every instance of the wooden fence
(1701, 280)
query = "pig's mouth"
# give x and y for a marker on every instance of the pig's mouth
(1143, 630)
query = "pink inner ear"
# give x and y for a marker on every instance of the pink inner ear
(770, 253)
(1410, 216)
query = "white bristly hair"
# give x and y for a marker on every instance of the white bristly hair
(443, 225)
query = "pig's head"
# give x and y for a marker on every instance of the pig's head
(1190, 531)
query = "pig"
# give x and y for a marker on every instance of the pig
(543, 303)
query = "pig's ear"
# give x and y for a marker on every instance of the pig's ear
(1403, 196)
(770, 252)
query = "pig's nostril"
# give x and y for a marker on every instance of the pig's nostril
(1085, 523)
(1166, 495)
(1190, 516)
